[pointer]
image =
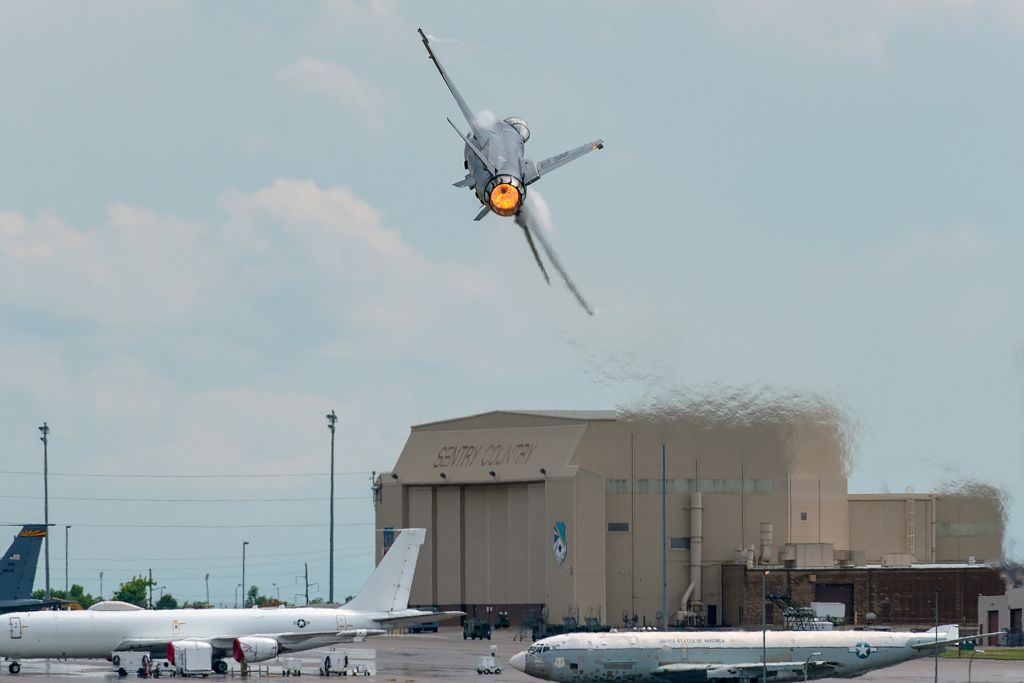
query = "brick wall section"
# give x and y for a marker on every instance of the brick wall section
(898, 597)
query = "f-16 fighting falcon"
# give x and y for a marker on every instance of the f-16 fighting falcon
(683, 656)
(498, 173)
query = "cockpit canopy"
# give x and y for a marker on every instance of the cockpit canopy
(520, 125)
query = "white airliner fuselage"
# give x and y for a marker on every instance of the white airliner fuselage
(723, 655)
(247, 635)
(97, 633)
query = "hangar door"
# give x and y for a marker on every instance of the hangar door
(836, 592)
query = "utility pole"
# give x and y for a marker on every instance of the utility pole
(664, 544)
(45, 430)
(245, 594)
(306, 565)
(101, 585)
(936, 635)
(764, 626)
(207, 590)
(332, 419)
(67, 590)
(150, 589)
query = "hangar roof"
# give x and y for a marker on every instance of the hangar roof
(513, 444)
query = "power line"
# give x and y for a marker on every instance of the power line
(323, 475)
(299, 525)
(188, 500)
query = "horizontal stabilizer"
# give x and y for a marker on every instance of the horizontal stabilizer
(414, 619)
(944, 642)
(533, 171)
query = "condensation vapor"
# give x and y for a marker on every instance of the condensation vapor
(983, 494)
(754, 405)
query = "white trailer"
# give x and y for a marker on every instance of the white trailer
(193, 658)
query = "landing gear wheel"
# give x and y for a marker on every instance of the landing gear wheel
(220, 667)
(14, 667)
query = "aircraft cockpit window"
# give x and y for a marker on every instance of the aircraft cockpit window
(520, 125)
(533, 649)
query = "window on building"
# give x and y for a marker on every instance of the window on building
(679, 543)
(618, 526)
(803, 516)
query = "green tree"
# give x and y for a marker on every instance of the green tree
(135, 591)
(76, 594)
(167, 601)
(253, 597)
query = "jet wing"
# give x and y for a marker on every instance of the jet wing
(533, 171)
(684, 671)
(466, 111)
(398, 622)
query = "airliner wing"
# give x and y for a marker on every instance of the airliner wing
(684, 671)
(398, 622)
(288, 642)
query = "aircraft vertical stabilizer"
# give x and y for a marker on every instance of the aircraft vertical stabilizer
(388, 587)
(18, 565)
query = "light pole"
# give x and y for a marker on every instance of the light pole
(664, 542)
(236, 594)
(808, 661)
(207, 590)
(45, 430)
(970, 663)
(67, 591)
(764, 626)
(278, 588)
(245, 598)
(936, 635)
(332, 419)
(101, 585)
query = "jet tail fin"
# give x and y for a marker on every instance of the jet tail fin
(19, 563)
(388, 587)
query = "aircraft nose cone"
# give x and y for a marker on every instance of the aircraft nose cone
(518, 662)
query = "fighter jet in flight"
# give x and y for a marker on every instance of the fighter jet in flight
(498, 173)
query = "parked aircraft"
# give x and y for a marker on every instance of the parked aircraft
(498, 173)
(726, 655)
(248, 635)
(18, 571)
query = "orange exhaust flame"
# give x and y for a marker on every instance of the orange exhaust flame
(504, 199)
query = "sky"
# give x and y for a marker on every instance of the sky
(221, 221)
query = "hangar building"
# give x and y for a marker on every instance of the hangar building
(562, 511)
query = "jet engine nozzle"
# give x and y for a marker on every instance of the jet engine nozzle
(505, 194)
(254, 649)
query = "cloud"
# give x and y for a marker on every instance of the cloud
(854, 30)
(334, 82)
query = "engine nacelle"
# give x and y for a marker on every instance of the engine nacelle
(254, 649)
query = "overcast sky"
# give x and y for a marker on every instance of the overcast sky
(219, 221)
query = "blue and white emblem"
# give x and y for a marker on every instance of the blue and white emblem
(301, 623)
(862, 650)
(559, 546)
